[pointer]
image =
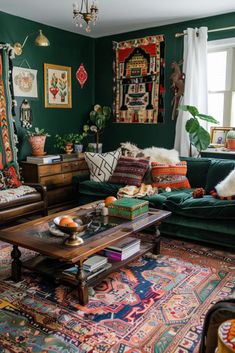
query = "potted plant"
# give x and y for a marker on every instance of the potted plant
(198, 136)
(230, 139)
(78, 138)
(65, 142)
(37, 139)
(98, 119)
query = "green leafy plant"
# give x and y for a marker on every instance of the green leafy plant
(98, 119)
(62, 141)
(37, 132)
(230, 135)
(198, 136)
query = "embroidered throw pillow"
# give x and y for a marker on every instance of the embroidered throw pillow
(130, 171)
(170, 175)
(102, 165)
(11, 177)
(2, 181)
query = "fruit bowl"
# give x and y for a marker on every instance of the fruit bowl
(83, 223)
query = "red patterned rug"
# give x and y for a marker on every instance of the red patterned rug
(154, 305)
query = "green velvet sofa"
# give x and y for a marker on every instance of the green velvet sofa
(205, 219)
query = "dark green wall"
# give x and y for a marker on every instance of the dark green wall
(68, 49)
(161, 135)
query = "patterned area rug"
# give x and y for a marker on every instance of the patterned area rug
(154, 305)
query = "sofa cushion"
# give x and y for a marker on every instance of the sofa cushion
(12, 179)
(170, 175)
(130, 171)
(197, 169)
(159, 199)
(18, 196)
(96, 189)
(207, 207)
(102, 165)
(217, 172)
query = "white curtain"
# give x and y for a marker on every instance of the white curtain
(195, 92)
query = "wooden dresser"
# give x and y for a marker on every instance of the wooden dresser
(57, 177)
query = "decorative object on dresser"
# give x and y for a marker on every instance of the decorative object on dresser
(98, 119)
(230, 139)
(37, 139)
(70, 142)
(56, 177)
(139, 80)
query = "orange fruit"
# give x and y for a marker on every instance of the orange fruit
(72, 224)
(64, 221)
(109, 200)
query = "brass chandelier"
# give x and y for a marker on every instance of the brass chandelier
(86, 13)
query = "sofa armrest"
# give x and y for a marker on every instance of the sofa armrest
(42, 190)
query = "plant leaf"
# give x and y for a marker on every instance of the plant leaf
(192, 125)
(93, 116)
(190, 109)
(200, 139)
(208, 118)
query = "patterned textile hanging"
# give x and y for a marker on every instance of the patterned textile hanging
(8, 150)
(26, 114)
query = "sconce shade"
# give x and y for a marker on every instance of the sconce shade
(41, 40)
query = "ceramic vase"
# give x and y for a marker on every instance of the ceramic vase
(68, 148)
(231, 144)
(78, 148)
(37, 144)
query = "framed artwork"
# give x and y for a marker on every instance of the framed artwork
(57, 86)
(25, 82)
(139, 80)
(218, 135)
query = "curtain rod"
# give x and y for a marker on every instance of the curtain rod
(178, 35)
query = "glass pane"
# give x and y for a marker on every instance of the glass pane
(216, 107)
(216, 63)
(232, 121)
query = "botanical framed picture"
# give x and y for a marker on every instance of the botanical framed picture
(57, 86)
(218, 135)
(25, 82)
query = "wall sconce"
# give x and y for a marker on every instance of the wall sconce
(40, 41)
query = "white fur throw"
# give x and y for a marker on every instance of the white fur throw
(161, 155)
(226, 187)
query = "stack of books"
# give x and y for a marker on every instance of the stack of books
(44, 159)
(92, 266)
(123, 249)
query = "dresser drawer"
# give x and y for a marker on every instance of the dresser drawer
(49, 169)
(57, 180)
(66, 167)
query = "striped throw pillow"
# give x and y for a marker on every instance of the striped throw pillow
(129, 171)
(170, 175)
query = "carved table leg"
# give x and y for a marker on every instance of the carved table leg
(156, 248)
(82, 285)
(16, 264)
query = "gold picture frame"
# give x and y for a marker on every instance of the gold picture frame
(57, 86)
(218, 135)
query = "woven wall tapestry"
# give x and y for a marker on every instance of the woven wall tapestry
(8, 151)
(139, 80)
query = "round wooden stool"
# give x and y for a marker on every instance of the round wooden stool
(226, 337)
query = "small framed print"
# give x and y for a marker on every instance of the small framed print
(57, 86)
(218, 135)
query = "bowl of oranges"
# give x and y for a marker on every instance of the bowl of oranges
(72, 226)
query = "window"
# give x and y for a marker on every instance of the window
(221, 81)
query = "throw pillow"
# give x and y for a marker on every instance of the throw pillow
(102, 165)
(11, 177)
(2, 181)
(130, 171)
(170, 175)
(226, 187)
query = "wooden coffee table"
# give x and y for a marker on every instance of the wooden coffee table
(54, 257)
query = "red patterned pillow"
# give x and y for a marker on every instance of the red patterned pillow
(129, 171)
(170, 175)
(11, 177)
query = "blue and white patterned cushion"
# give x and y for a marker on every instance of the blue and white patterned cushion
(102, 165)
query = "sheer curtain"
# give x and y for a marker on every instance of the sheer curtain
(195, 92)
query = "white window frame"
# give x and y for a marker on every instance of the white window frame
(228, 45)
